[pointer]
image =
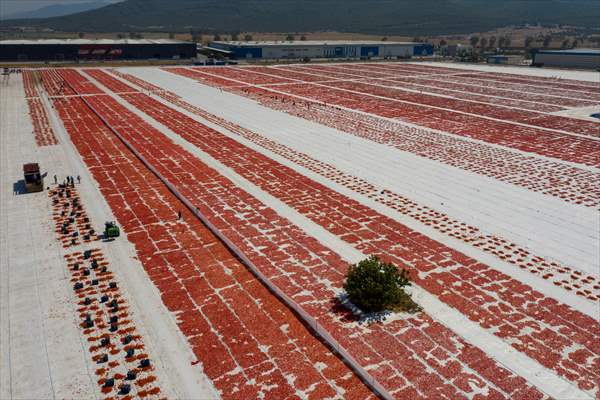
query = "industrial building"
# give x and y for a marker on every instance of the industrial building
(308, 49)
(85, 49)
(505, 59)
(574, 58)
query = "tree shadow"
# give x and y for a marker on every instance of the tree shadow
(19, 187)
(348, 312)
(339, 308)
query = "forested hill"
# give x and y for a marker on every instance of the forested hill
(400, 17)
(54, 10)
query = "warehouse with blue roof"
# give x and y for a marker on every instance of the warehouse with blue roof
(573, 58)
(309, 49)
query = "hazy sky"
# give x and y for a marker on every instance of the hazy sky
(13, 6)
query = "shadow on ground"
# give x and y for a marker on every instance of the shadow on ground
(19, 187)
(348, 312)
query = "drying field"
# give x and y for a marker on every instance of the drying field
(483, 182)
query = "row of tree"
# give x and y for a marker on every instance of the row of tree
(483, 43)
(197, 36)
(546, 40)
(530, 42)
(235, 37)
(130, 35)
(491, 42)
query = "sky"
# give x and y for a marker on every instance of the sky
(14, 6)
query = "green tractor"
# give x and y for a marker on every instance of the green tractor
(111, 230)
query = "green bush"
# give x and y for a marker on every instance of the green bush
(375, 286)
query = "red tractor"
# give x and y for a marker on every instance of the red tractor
(34, 181)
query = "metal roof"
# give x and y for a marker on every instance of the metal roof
(217, 49)
(91, 41)
(313, 43)
(31, 167)
(572, 51)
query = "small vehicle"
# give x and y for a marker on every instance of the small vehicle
(34, 181)
(111, 230)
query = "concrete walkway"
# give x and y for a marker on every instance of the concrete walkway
(43, 353)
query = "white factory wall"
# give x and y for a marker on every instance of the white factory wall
(349, 51)
(568, 60)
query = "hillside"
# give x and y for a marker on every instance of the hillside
(56, 10)
(409, 17)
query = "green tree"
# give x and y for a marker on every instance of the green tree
(575, 43)
(547, 41)
(248, 37)
(217, 37)
(171, 35)
(303, 38)
(595, 40)
(373, 286)
(483, 43)
(492, 41)
(528, 42)
(384, 39)
(135, 35)
(565, 44)
(235, 37)
(81, 35)
(474, 40)
(289, 37)
(443, 43)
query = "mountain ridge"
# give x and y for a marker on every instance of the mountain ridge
(409, 17)
(58, 10)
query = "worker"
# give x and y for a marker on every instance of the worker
(179, 215)
(55, 180)
(78, 179)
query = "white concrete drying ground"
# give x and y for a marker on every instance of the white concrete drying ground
(499, 350)
(540, 284)
(42, 349)
(43, 352)
(588, 76)
(562, 231)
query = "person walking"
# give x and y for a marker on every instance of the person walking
(78, 179)
(55, 179)
(179, 215)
